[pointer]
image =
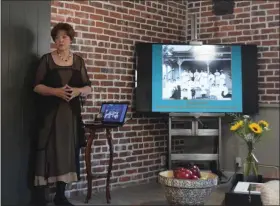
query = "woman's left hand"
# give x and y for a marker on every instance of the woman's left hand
(75, 92)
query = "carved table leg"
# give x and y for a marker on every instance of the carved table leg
(88, 165)
(109, 139)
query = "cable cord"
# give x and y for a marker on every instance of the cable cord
(230, 178)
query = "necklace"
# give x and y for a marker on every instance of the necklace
(67, 58)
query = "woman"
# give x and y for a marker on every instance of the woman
(61, 79)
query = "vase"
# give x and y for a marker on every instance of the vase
(250, 172)
(250, 166)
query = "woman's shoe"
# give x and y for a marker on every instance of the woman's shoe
(61, 201)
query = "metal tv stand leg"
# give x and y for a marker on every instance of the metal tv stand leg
(195, 130)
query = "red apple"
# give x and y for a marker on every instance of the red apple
(180, 169)
(195, 170)
(184, 175)
(194, 166)
(179, 174)
(176, 172)
(188, 171)
(187, 176)
(194, 177)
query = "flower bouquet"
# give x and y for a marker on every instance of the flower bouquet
(251, 132)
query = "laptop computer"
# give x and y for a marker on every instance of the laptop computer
(114, 113)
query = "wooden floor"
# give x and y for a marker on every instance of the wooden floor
(146, 194)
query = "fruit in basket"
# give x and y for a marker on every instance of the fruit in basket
(183, 173)
(195, 171)
(187, 192)
(194, 177)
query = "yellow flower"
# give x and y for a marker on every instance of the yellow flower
(263, 123)
(236, 126)
(255, 128)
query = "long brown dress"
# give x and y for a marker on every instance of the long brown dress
(58, 144)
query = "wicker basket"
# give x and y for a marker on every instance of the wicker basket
(187, 192)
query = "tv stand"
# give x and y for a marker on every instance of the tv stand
(201, 126)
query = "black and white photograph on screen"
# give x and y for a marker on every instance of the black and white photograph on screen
(196, 72)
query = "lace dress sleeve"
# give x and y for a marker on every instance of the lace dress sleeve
(41, 71)
(85, 79)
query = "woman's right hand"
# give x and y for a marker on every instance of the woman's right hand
(63, 93)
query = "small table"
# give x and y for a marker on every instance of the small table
(93, 127)
(233, 199)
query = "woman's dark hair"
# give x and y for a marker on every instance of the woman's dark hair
(63, 27)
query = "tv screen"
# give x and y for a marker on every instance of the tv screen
(195, 78)
(196, 75)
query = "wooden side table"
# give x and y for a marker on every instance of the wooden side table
(92, 130)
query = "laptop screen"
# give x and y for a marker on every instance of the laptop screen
(114, 112)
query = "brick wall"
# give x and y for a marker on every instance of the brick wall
(253, 22)
(106, 34)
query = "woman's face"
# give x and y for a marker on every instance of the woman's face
(62, 41)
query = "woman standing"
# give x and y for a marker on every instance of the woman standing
(61, 79)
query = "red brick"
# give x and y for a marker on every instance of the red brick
(82, 15)
(58, 18)
(71, 6)
(272, 79)
(264, 73)
(267, 6)
(242, 16)
(234, 33)
(88, 9)
(88, 36)
(271, 54)
(96, 17)
(128, 4)
(273, 91)
(266, 85)
(268, 98)
(101, 12)
(96, 30)
(269, 42)
(273, 12)
(244, 38)
(242, 27)
(268, 31)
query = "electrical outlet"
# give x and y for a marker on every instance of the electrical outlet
(238, 161)
(162, 160)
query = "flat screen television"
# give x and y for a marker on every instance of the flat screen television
(196, 78)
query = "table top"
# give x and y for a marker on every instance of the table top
(239, 178)
(99, 125)
(232, 198)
